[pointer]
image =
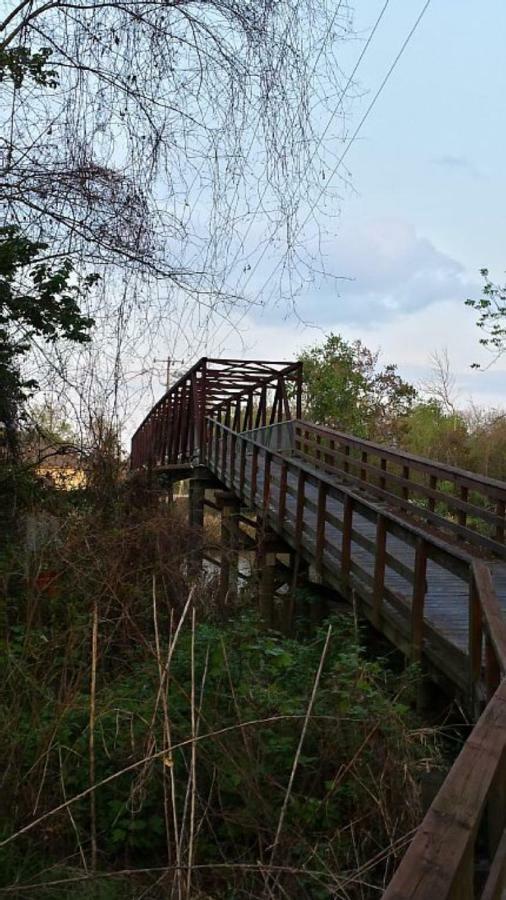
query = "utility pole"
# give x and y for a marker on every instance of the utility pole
(168, 363)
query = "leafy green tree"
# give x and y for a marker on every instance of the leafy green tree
(431, 431)
(38, 300)
(19, 63)
(491, 309)
(345, 387)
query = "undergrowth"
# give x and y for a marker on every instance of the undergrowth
(231, 768)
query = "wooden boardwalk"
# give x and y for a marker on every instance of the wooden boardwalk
(446, 602)
(420, 548)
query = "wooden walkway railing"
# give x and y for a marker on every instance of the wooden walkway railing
(470, 507)
(407, 538)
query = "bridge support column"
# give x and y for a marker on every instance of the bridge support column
(266, 563)
(230, 536)
(299, 576)
(197, 492)
(167, 495)
(268, 544)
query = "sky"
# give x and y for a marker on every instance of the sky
(427, 204)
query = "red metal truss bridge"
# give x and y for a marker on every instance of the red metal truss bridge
(420, 546)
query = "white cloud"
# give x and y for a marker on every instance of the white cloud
(408, 341)
(394, 271)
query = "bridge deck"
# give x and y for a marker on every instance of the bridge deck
(446, 602)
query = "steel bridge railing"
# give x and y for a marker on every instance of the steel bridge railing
(244, 394)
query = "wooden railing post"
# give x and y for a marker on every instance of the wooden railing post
(233, 445)
(462, 515)
(496, 812)
(299, 515)
(217, 432)
(379, 570)
(267, 480)
(492, 669)
(463, 888)
(242, 467)
(209, 442)
(405, 488)
(254, 473)
(499, 511)
(320, 526)
(224, 448)
(363, 471)
(433, 486)
(346, 465)
(346, 537)
(417, 604)
(283, 480)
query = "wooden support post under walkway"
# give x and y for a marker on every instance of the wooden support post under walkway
(268, 544)
(196, 498)
(266, 568)
(230, 508)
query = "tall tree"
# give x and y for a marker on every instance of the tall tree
(345, 387)
(163, 133)
(38, 299)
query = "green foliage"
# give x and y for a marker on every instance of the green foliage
(242, 675)
(345, 388)
(487, 445)
(18, 63)
(431, 432)
(491, 309)
(359, 762)
(36, 296)
(37, 300)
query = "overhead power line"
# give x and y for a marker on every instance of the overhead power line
(350, 142)
(335, 111)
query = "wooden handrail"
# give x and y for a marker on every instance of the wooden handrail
(438, 549)
(404, 455)
(411, 484)
(439, 862)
